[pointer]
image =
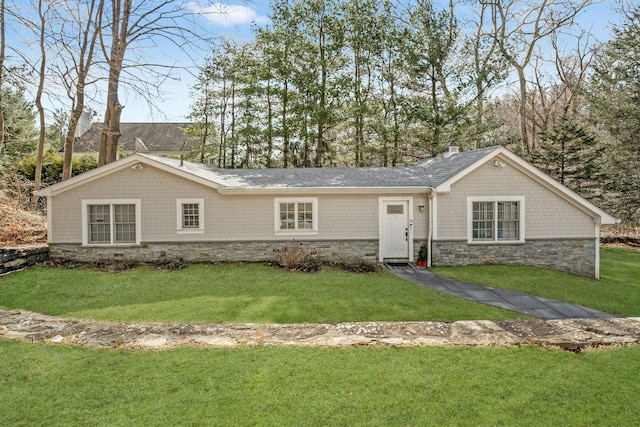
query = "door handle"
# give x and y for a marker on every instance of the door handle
(406, 234)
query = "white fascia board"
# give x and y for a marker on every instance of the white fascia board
(89, 176)
(321, 190)
(118, 165)
(445, 187)
(600, 216)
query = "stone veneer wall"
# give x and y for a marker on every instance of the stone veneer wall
(12, 259)
(575, 256)
(218, 251)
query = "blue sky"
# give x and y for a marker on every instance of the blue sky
(234, 18)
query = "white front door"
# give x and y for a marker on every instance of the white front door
(395, 233)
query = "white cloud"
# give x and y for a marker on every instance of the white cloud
(227, 14)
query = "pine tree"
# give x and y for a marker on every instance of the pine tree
(572, 156)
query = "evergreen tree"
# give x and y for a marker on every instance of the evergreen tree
(20, 136)
(572, 156)
(615, 107)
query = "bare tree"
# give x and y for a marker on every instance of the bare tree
(518, 27)
(3, 44)
(80, 59)
(129, 23)
(488, 66)
(572, 68)
(41, 28)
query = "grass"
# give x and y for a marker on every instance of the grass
(617, 291)
(45, 385)
(232, 293)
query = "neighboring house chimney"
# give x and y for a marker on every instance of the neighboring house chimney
(452, 148)
(84, 122)
(140, 145)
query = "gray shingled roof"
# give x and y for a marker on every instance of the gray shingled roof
(140, 137)
(428, 173)
(440, 169)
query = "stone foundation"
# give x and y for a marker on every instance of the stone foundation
(218, 251)
(12, 259)
(575, 256)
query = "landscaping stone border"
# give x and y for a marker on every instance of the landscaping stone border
(573, 335)
(12, 259)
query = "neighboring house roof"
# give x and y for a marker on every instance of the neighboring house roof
(140, 137)
(432, 175)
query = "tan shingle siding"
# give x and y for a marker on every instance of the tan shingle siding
(547, 215)
(227, 217)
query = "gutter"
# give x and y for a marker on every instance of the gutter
(320, 190)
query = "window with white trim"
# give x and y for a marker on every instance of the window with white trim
(296, 215)
(111, 222)
(190, 215)
(496, 219)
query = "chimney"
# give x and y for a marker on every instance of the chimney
(451, 149)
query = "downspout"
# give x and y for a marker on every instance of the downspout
(597, 272)
(430, 234)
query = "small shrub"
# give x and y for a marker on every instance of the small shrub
(310, 263)
(292, 258)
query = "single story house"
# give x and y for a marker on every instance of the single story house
(485, 206)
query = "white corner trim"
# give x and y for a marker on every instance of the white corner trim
(597, 260)
(434, 214)
(49, 221)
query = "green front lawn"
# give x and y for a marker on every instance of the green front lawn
(263, 294)
(617, 291)
(232, 293)
(46, 385)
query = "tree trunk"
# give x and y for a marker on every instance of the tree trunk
(269, 125)
(2, 53)
(522, 110)
(111, 128)
(69, 141)
(41, 138)
(285, 126)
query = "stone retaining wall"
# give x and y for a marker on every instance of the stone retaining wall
(12, 259)
(218, 251)
(575, 256)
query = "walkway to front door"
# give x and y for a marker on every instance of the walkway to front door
(543, 308)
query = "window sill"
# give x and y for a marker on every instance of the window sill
(296, 233)
(190, 231)
(111, 245)
(496, 242)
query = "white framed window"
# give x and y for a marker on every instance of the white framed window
(296, 215)
(495, 219)
(111, 222)
(190, 215)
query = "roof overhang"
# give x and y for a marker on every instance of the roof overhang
(505, 155)
(118, 165)
(322, 190)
